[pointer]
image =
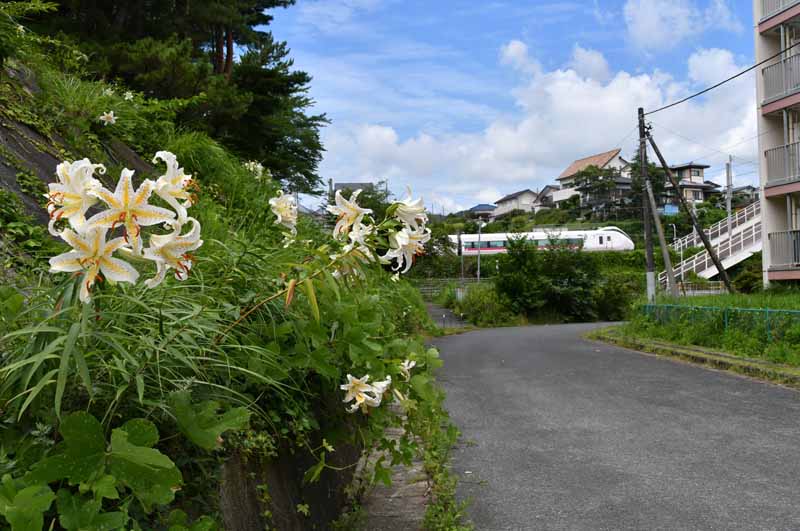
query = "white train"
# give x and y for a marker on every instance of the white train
(603, 239)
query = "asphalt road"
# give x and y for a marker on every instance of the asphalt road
(563, 433)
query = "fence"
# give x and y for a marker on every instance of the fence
(772, 7)
(769, 324)
(783, 164)
(430, 287)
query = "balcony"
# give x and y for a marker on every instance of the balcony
(784, 249)
(782, 78)
(773, 7)
(783, 164)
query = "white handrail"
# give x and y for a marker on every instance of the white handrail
(725, 249)
(718, 229)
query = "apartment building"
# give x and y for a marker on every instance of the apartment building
(778, 91)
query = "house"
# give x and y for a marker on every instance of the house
(522, 200)
(745, 195)
(691, 181)
(607, 160)
(544, 199)
(482, 211)
(350, 186)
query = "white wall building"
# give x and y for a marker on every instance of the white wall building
(522, 200)
(778, 96)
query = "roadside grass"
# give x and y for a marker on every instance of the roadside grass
(773, 299)
(754, 368)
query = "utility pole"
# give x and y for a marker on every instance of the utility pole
(729, 194)
(672, 286)
(690, 212)
(461, 255)
(480, 227)
(648, 236)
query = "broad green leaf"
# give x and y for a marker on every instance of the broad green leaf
(382, 473)
(63, 369)
(151, 475)
(201, 423)
(141, 432)
(105, 487)
(77, 513)
(421, 384)
(26, 510)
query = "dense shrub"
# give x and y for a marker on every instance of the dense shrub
(483, 306)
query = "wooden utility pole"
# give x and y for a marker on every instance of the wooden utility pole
(650, 272)
(662, 241)
(690, 212)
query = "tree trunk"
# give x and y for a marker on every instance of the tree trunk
(229, 54)
(219, 54)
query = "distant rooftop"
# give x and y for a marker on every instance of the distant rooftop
(687, 165)
(353, 186)
(599, 160)
(483, 207)
(509, 197)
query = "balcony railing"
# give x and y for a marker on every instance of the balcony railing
(773, 7)
(781, 78)
(783, 164)
(784, 249)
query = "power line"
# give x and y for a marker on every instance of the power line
(743, 72)
(700, 144)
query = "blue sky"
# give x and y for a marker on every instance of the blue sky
(466, 101)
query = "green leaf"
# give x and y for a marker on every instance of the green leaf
(141, 432)
(140, 387)
(422, 385)
(313, 473)
(201, 424)
(76, 513)
(34, 392)
(63, 369)
(308, 285)
(151, 475)
(105, 487)
(382, 473)
(26, 510)
(83, 458)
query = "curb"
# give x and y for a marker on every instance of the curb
(763, 370)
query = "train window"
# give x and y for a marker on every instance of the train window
(497, 244)
(601, 240)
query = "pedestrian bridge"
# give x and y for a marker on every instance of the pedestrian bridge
(734, 239)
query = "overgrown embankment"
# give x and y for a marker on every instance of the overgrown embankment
(213, 393)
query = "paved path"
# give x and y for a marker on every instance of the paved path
(562, 433)
(444, 317)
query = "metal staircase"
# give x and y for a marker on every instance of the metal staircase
(743, 241)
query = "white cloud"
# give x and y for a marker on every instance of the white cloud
(334, 16)
(515, 54)
(660, 24)
(563, 115)
(589, 63)
(664, 24)
(718, 14)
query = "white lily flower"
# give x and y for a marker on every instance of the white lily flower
(405, 369)
(72, 195)
(284, 207)
(411, 212)
(108, 118)
(358, 246)
(382, 386)
(171, 251)
(395, 277)
(348, 211)
(93, 254)
(108, 91)
(174, 185)
(130, 209)
(128, 96)
(256, 168)
(405, 245)
(360, 393)
(20, 29)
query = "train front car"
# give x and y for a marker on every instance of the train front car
(604, 239)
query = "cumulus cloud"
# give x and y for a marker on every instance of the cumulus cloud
(332, 16)
(664, 24)
(563, 115)
(589, 64)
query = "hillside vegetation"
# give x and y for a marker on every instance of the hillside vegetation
(179, 351)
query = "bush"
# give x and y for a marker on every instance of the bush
(483, 306)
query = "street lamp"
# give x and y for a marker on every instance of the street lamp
(481, 225)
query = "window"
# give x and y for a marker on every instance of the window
(695, 173)
(697, 195)
(601, 240)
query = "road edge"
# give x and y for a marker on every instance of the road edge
(758, 369)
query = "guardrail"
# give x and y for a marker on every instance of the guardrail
(719, 229)
(432, 286)
(772, 323)
(784, 248)
(783, 164)
(727, 248)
